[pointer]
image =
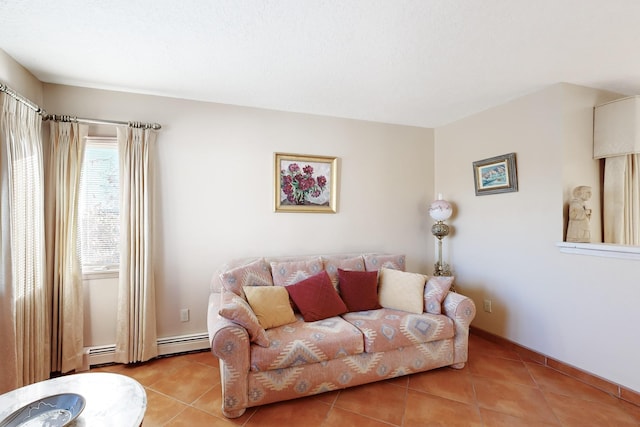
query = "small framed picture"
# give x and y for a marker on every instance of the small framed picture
(305, 183)
(495, 175)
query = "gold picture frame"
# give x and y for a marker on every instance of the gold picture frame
(495, 175)
(305, 183)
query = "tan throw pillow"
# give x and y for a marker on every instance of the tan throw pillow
(237, 310)
(270, 305)
(401, 290)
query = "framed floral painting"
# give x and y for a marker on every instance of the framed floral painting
(495, 175)
(305, 183)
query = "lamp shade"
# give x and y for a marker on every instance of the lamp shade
(616, 128)
(440, 210)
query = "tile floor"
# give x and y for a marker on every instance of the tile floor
(496, 388)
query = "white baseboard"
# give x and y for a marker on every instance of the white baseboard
(99, 355)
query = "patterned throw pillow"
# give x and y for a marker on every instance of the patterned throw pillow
(359, 289)
(316, 298)
(287, 273)
(400, 290)
(237, 310)
(270, 305)
(332, 264)
(256, 273)
(373, 262)
(434, 293)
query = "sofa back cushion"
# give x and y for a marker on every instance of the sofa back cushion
(333, 263)
(401, 290)
(316, 298)
(289, 272)
(374, 262)
(359, 289)
(256, 273)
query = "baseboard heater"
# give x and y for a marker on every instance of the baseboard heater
(99, 355)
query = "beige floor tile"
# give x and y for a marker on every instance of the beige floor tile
(497, 368)
(307, 412)
(187, 383)
(379, 400)
(161, 409)
(553, 381)
(425, 410)
(513, 399)
(341, 418)
(192, 417)
(449, 383)
(577, 412)
(497, 419)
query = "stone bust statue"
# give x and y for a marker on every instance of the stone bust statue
(579, 215)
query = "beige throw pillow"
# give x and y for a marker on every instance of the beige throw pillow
(401, 290)
(270, 305)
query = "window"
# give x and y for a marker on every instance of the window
(99, 206)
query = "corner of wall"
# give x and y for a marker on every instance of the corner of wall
(20, 79)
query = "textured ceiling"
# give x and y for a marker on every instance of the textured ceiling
(414, 62)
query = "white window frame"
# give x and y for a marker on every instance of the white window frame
(100, 271)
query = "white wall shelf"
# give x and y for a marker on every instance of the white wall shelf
(600, 249)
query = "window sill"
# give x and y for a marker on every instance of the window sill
(100, 274)
(606, 250)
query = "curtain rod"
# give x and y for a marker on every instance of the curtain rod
(54, 117)
(12, 93)
(15, 95)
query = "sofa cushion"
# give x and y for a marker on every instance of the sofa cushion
(302, 343)
(256, 273)
(316, 298)
(359, 289)
(237, 309)
(289, 272)
(374, 262)
(435, 291)
(386, 329)
(332, 264)
(270, 305)
(401, 290)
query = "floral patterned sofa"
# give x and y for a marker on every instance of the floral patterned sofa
(290, 327)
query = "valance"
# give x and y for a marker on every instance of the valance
(616, 129)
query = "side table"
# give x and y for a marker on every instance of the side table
(111, 399)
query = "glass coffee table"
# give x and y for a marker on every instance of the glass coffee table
(110, 399)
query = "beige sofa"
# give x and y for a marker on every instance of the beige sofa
(401, 333)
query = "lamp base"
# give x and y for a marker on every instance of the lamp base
(441, 269)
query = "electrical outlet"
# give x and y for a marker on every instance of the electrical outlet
(487, 305)
(184, 315)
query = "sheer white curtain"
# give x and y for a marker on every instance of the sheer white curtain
(25, 325)
(136, 338)
(622, 200)
(64, 272)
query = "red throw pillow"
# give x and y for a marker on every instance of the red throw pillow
(359, 289)
(316, 298)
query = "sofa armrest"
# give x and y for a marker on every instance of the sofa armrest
(462, 311)
(230, 344)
